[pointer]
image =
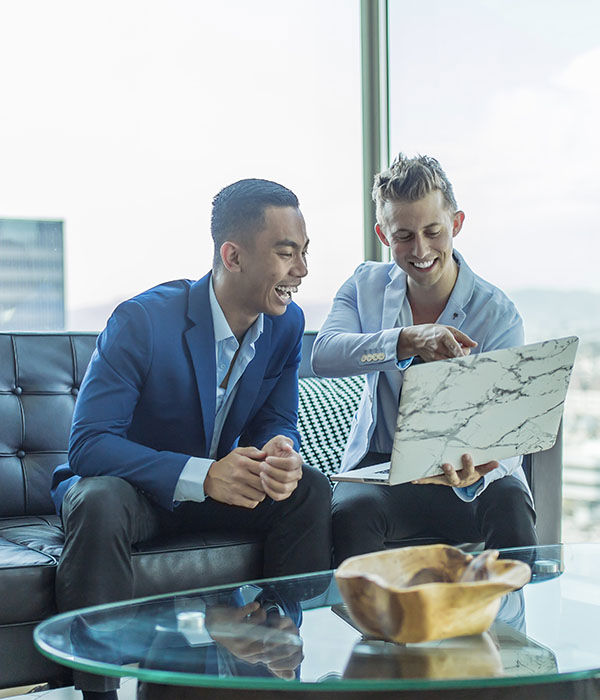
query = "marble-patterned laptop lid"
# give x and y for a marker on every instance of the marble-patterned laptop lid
(492, 405)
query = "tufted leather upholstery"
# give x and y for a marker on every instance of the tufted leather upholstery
(39, 381)
(40, 375)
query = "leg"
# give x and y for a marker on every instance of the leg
(505, 515)
(297, 530)
(102, 517)
(360, 513)
(366, 516)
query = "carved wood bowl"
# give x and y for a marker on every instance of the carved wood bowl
(418, 594)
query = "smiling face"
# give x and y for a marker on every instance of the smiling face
(271, 264)
(420, 236)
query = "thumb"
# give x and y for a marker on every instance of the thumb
(487, 467)
(251, 452)
(283, 443)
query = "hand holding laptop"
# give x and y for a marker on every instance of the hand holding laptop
(466, 476)
(496, 404)
(433, 341)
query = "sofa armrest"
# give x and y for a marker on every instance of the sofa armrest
(546, 485)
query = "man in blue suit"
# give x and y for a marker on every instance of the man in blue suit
(426, 305)
(186, 418)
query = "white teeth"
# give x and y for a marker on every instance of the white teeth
(424, 265)
(285, 290)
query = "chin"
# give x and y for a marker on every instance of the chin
(279, 311)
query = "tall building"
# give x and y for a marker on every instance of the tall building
(32, 275)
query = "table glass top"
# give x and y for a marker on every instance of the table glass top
(293, 633)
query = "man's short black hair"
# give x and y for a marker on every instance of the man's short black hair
(238, 210)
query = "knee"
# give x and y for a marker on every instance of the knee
(351, 512)
(315, 486)
(511, 503)
(509, 519)
(95, 499)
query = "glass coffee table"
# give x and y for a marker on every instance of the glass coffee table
(291, 636)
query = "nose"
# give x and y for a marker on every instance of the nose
(300, 268)
(420, 247)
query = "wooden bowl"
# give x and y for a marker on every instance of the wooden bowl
(418, 594)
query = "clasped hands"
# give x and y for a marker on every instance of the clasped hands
(434, 341)
(248, 634)
(247, 475)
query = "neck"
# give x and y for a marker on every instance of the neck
(427, 303)
(239, 321)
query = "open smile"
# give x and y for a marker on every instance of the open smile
(425, 265)
(284, 292)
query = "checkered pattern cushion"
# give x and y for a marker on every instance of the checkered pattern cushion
(326, 408)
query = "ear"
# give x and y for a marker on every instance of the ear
(230, 256)
(457, 223)
(381, 235)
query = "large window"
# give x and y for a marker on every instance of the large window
(123, 118)
(507, 96)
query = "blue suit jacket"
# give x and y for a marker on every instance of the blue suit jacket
(147, 401)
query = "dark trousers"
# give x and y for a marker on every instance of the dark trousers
(366, 516)
(104, 515)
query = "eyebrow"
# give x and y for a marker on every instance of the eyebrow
(408, 230)
(286, 243)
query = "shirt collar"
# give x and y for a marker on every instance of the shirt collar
(463, 287)
(220, 325)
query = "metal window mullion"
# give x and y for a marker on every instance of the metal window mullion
(375, 121)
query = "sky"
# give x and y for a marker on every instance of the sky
(124, 118)
(507, 96)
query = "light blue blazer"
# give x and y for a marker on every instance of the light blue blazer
(359, 337)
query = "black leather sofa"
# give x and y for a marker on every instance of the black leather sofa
(40, 374)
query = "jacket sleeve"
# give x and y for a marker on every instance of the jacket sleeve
(110, 391)
(342, 348)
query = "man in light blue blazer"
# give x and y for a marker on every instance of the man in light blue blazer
(426, 305)
(186, 418)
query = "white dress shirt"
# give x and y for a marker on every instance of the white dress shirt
(190, 486)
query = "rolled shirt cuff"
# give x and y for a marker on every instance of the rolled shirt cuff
(470, 493)
(190, 486)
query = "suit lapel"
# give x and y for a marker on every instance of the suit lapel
(200, 339)
(393, 297)
(453, 313)
(248, 387)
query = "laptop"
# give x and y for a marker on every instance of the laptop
(492, 405)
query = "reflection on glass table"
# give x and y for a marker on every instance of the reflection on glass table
(292, 634)
(504, 650)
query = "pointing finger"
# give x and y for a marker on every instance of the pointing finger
(462, 338)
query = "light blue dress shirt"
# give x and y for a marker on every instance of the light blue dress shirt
(360, 336)
(190, 486)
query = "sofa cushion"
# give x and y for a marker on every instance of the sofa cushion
(30, 548)
(325, 412)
